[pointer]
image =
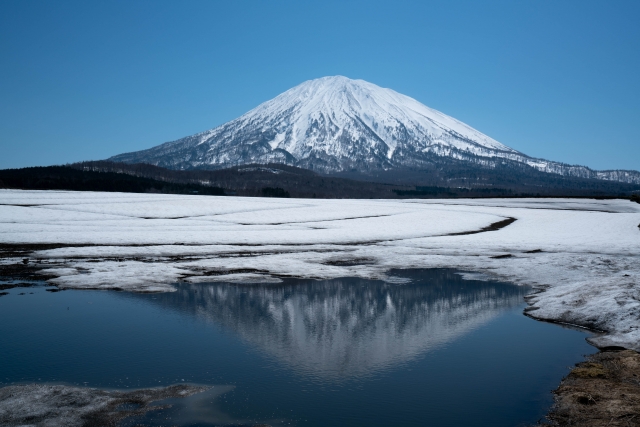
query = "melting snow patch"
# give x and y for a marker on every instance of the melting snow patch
(397, 280)
(469, 275)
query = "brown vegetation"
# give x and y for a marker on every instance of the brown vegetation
(602, 391)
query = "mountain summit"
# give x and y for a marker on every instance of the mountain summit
(335, 124)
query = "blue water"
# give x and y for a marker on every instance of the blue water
(437, 350)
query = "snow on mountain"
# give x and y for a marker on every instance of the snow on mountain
(334, 124)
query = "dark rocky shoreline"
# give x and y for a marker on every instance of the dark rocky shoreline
(68, 406)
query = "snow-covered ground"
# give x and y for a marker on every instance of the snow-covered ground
(582, 255)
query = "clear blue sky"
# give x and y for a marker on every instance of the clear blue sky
(90, 79)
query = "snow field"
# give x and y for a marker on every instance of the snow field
(581, 255)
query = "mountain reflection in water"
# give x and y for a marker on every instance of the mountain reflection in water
(333, 330)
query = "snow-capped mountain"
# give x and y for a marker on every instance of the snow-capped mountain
(335, 124)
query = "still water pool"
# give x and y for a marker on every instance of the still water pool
(429, 349)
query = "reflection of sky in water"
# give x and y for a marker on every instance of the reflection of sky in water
(436, 349)
(340, 328)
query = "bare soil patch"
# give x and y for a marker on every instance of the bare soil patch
(602, 391)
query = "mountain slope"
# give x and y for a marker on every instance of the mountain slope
(335, 124)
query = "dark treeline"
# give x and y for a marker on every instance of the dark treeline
(68, 178)
(431, 191)
(277, 180)
(274, 192)
(446, 178)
